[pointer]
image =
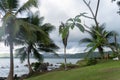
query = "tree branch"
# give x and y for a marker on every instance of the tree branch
(88, 17)
(93, 14)
(88, 5)
(87, 28)
(97, 8)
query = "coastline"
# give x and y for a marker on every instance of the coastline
(20, 69)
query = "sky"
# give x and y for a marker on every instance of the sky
(57, 11)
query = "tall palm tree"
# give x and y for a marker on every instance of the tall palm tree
(99, 39)
(12, 24)
(40, 43)
(64, 28)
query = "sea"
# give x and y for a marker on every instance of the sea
(20, 68)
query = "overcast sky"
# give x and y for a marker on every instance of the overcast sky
(56, 11)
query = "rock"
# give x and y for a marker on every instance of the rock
(3, 78)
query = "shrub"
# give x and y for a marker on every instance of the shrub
(69, 65)
(38, 66)
(91, 61)
(82, 63)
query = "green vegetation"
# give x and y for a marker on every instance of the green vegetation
(35, 38)
(64, 31)
(103, 71)
(99, 38)
(42, 42)
(12, 25)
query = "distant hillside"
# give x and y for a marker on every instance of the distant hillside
(76, 55)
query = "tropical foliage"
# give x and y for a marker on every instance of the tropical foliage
(64, 31)
(64, 28)
(34, 36)
(99, 38)
(12, 25)
(39, 43)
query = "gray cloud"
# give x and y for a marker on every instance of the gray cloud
(56, 11)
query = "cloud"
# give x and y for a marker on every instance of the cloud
(56, 11)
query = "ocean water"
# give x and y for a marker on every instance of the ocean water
(20, 69)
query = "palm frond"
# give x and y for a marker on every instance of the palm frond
(85, 40)
(27, 6)
(37, 55)
(51, 48)
(47, 27)
(21, 53)
(12, 4)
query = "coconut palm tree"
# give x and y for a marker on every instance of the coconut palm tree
(40, 43)
(12, 24)
(99, 39)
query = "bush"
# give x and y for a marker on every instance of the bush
(69, 65)
(82, 63)
(38, 66)
(91, 61)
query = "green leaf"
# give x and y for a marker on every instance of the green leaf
(90, 45)
(65, 32)
(82, 14)
(78, 20)
(77, 16)
(71, 25)
(71, 20)
(81, 28)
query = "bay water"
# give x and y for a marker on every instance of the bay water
(20, 68)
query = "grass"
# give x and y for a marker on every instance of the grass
(109, 70)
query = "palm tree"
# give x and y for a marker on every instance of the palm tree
(99, 39)
(12, 24)
(62, 28)
(40, 43)
(115, 46)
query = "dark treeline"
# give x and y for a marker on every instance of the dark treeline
(76, 55)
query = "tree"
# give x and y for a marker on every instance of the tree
(97, 33)
(94, 14)
(64, 31)
(99, 38)
(40, 43)
(63, 27)
(115, 46)
(12, 24)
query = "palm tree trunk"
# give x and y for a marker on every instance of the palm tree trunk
(29, 66)
(101, 52)
(11, 72)
(65, 58)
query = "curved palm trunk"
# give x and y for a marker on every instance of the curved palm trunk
(11, 72)
(29, 66)
(101, 52)
(65, 58)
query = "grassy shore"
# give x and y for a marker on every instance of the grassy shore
(109, 70)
